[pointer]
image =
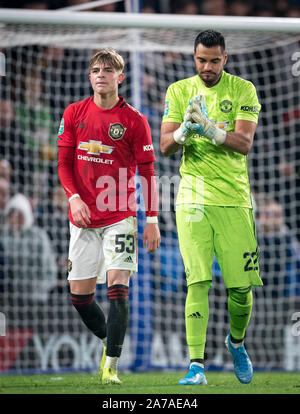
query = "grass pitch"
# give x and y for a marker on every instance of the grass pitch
(152, 383)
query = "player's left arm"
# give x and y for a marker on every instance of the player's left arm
(151, 235)
(241, 139)
(246, 118)
(144, 155)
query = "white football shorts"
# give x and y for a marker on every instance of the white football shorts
(94, 251)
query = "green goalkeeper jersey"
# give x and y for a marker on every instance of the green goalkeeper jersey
(213, 175)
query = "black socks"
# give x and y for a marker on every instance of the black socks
(93, 317)
(117, 319)
(91, 313)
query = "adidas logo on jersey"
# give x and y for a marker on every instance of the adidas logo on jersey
(81, 125)
(128, 259)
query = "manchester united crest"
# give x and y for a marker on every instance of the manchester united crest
(116, 131)
(226, 106)
(69, 265)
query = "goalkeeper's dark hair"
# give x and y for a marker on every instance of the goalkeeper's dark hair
(210, 38)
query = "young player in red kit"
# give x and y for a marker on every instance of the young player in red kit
(101, 141)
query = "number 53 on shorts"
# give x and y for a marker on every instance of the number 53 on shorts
(125, 243)
(94, 251)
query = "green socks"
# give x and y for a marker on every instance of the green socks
(196, 318)
(239, 307)
(197, 314)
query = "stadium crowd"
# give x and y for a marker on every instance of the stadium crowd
(263, 8)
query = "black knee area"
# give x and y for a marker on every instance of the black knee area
(240, 295)
(91, 313)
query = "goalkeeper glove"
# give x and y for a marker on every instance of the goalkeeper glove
(182, 135)
(202, 125)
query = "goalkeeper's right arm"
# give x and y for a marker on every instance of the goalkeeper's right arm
(168, 146)
(174, 135)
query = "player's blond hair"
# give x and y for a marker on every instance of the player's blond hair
(108, 56)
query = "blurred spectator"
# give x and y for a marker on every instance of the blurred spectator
(4, 198)
(5, 169)
(110, 8)
(281, 7)
(36, 5)
(293, 11)
(2, 273)
(288, 169)
(70, 3)
(148, 7)
(155, 6)
(239, 8)
(184, 7)
(214, 7)
(54, 219)
(35, 116)
(35, 119)
(280, 252)
(13, 148)
(264, 9)
(279, 262)
(25, 4)
(64, 76)
(169, 285)
(31, 271)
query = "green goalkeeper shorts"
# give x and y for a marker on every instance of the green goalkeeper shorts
(227, 232)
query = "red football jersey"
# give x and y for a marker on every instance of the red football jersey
(108, 145)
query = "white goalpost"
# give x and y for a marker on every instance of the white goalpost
(46, 55)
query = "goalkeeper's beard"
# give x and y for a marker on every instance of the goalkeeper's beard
(210, 78)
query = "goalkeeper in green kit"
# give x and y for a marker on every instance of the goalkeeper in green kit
(212, 117)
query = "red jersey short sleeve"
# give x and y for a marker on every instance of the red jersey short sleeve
(107, 146)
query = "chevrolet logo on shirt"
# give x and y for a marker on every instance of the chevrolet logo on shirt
(95, 147)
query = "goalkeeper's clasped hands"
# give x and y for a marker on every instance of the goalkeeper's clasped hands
(196, 120)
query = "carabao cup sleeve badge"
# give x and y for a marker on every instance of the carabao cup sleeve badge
(61, 126)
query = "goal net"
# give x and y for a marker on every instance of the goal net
(46, 69)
